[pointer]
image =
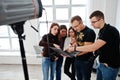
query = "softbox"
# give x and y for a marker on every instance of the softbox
(13, 11)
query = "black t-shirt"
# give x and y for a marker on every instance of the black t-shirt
(110, 51)
(86, 35)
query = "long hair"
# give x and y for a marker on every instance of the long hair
(73, 31)
(52, 25)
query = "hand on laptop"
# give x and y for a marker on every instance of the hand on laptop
(56, 46)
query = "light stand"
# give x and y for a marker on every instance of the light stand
(18, 29)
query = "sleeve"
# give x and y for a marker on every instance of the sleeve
(44, 42)
(105, 36)
(90, 36)
(108, 35)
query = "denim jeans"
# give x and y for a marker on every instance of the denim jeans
(58, 68)
(83, 69)
(48, 68)
(106, 72)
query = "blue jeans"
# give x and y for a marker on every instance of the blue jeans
(58, 68)
(106, 72)
(48, 68)
(83, 69)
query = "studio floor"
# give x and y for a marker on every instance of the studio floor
(15, 72)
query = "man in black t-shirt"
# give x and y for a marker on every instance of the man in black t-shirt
(108, 45)
(85, 36)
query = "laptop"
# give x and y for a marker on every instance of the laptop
(67, 54)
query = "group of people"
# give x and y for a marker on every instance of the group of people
(82, 39)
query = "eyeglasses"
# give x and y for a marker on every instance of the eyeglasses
(93, 22)
(76, 25)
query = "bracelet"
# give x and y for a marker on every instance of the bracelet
(74, 48)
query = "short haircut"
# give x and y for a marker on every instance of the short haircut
(97, 14)
(78, 18)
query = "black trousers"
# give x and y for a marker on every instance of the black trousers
(69, 64)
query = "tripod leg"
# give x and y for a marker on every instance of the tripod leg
(24, 63)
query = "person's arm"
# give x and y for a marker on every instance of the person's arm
(84, 52)
(88, 48)
(56, 46)
(44, 42)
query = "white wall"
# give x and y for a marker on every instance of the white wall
(109, 8)
(118, 16)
